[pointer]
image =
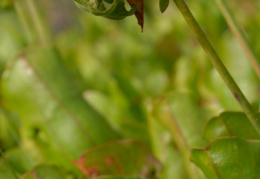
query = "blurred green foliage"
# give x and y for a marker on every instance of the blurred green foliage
(108, 74)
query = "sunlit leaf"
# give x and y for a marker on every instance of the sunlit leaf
(105, 106)
(56, 119)
(119, 158)
(230, 124)
(10, 35)
(229, 158)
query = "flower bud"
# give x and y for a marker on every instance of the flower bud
(112, 9)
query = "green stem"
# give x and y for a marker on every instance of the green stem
(215, 60)
(41, 26)
(27, 25)
(162, 112)
(239, 35)
(35, 26)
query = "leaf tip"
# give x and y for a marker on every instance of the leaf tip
(163, 5)
(140, 11)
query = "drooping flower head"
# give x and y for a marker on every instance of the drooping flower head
(113, 9)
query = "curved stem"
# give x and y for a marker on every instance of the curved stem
(25, 21)
(239, 35)
(162, 113)
(41, 26)
(36, 28)
(215, 60)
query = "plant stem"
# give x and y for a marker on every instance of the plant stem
(162, 112)
(217, 63)
(239, 35)
(41, 26)
(23, 16)
(35, 26)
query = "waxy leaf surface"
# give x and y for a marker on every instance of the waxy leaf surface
(229, 157)
(230, 124)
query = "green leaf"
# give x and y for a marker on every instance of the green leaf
(6, 168)
(163, 5)
(9, 126)
(18, 160)
(230, 124)
(15, 162)
(44, 172)
(229, 158)
(38, 87)
(6, 172)
(119, 158)
(105, 106)
(134, 125)
(10, 35)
